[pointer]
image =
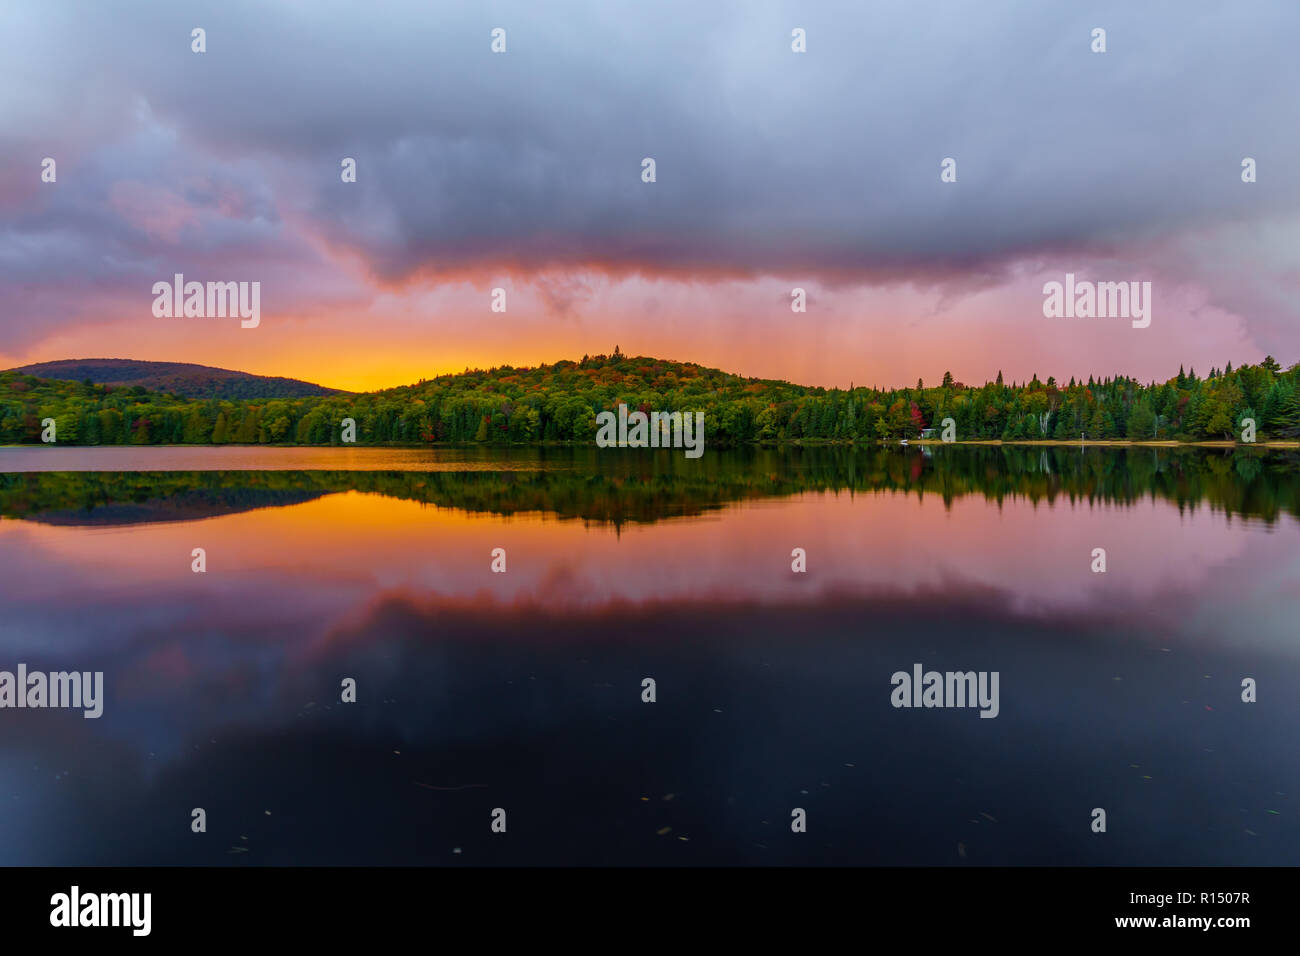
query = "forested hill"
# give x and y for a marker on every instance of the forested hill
(179, 378)
(559, 403)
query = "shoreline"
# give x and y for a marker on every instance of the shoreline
(1281, 443)
(1119, 442)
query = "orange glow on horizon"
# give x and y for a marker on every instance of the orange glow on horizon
(888, 337)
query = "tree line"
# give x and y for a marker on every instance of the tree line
(559, 403)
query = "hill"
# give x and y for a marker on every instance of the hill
(559, 403)
(178, 378)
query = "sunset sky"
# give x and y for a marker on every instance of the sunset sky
(775, 170)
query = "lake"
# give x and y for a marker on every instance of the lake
(523, 690)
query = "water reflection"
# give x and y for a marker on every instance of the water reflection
(522, 690)
(631, 486)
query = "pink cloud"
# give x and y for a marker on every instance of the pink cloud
(155, 210)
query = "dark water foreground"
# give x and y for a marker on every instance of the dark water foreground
(523, 690)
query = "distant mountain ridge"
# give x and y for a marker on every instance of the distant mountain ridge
(180, 378)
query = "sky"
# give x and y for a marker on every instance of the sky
(774, 170)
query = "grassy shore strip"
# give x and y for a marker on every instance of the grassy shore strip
(792, 443)
(1120, 442)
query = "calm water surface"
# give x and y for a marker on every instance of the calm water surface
(522, 690)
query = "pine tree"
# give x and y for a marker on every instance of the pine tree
(1141, 422)
(1064, 426)
(1287, 417)
(1097, 426)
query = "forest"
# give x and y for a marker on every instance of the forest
(582, 483)
(559, 403)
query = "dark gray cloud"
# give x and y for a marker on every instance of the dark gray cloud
(768, 161)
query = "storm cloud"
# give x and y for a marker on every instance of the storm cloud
(822, 166)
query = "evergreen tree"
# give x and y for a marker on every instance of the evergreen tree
(1141, 422)
(1287, 417)
(1064, 427)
